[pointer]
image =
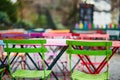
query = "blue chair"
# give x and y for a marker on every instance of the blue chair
(2, 68)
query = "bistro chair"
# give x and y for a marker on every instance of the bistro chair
(58, 34)
(74, 49)
(20, 73)
(15, 56)
(91, 36)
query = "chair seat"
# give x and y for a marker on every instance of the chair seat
(77, 75)
(30, 74)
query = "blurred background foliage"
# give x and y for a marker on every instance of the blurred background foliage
(4, 18)
(9, 9)
(55, 14)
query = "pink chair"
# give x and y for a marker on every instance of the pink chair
(58, 35)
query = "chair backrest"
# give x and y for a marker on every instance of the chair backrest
(77, 50)
(59, 31)
(39, 30)
(39, 43)
(71, 43)
(14, 36)
(36, 35)
(84, 31)
(57, 35)
(24, 47)
(93, 36)
(75, 35)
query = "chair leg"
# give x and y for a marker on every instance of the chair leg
(13, 78)
(49, 77)
(1, 76)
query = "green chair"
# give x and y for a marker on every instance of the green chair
(78, 75)
(20, 73)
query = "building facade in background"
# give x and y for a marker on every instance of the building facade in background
(115, 11)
